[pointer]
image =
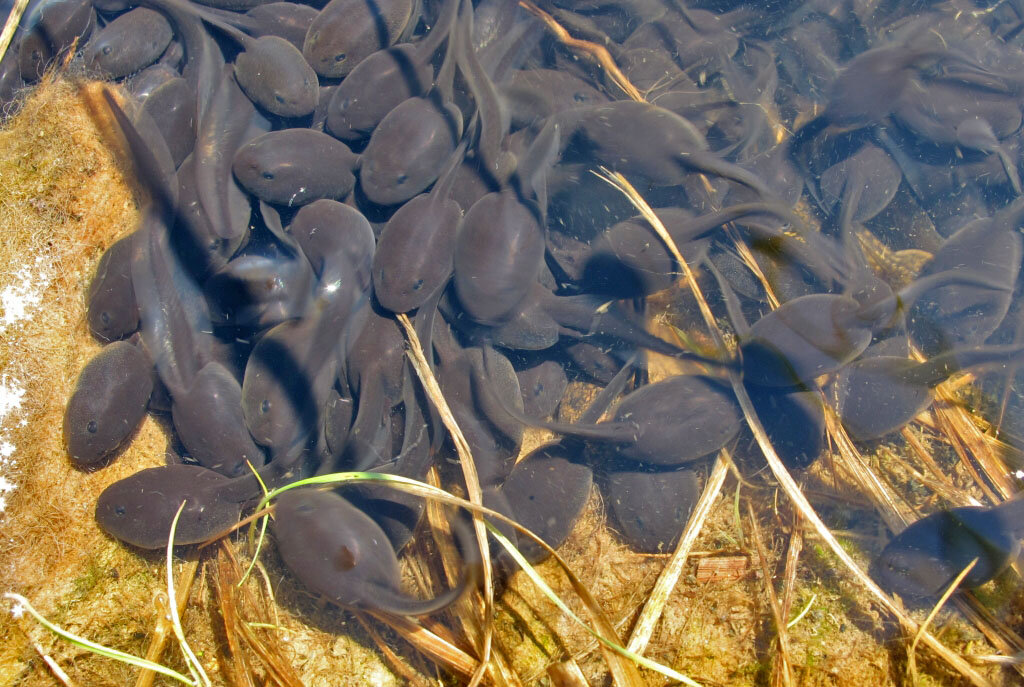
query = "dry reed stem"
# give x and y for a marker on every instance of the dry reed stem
(624, 672)
(430, 385)
(428, 643)
(279, 670)
(794, 493)
(597, 52)
(440, 531)
(796, 543)
(853, 462)
(566, 674)
(955, 421)
(922, 453)
(163, 630)
(11, 25)
(655, 604)
(410, 676)
(239, 672)
(774, 462)
(783, 665)
(751, 262)
(953, 438)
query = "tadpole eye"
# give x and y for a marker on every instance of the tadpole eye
(402, 178)
(279, 99)
(269, 176)
(417, 285)
(92, 427)
(578, 97)
(265, 406)
(120, 510)
(105, 318)
(107, 49)
(340, 57)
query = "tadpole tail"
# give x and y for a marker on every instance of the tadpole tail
(587, 426)
(392, 601)
(584, 315)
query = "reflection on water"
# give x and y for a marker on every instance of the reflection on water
(842, 179)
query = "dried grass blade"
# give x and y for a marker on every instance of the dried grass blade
(956, 422)
(467, 607)
(783, 666)
(566, 674)
(984, 447)
(601, 633)
(651, 613)
(751, 262)
(796, 545)
(616, 654)
(429, 644)
(11, 25)
(774, 462)
(239, 672)
(433, 390)
(163, 629)
(407, 674)
(1001, 636)
(854, 463)
(279, 669)
(808, 512)
(599, 53)
(194, 666)
(948, 490)
(912, 651)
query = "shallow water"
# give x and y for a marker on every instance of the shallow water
(860, 150)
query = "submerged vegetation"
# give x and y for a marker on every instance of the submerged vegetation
(764, 585)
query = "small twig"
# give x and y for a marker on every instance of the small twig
(566, 674)
(1001, 636)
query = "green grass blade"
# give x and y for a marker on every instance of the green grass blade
(553, 597)
(428, 491)
(194, 666)
(99, 649)
(263, 531)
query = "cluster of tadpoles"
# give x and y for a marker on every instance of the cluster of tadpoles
(316, 171)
